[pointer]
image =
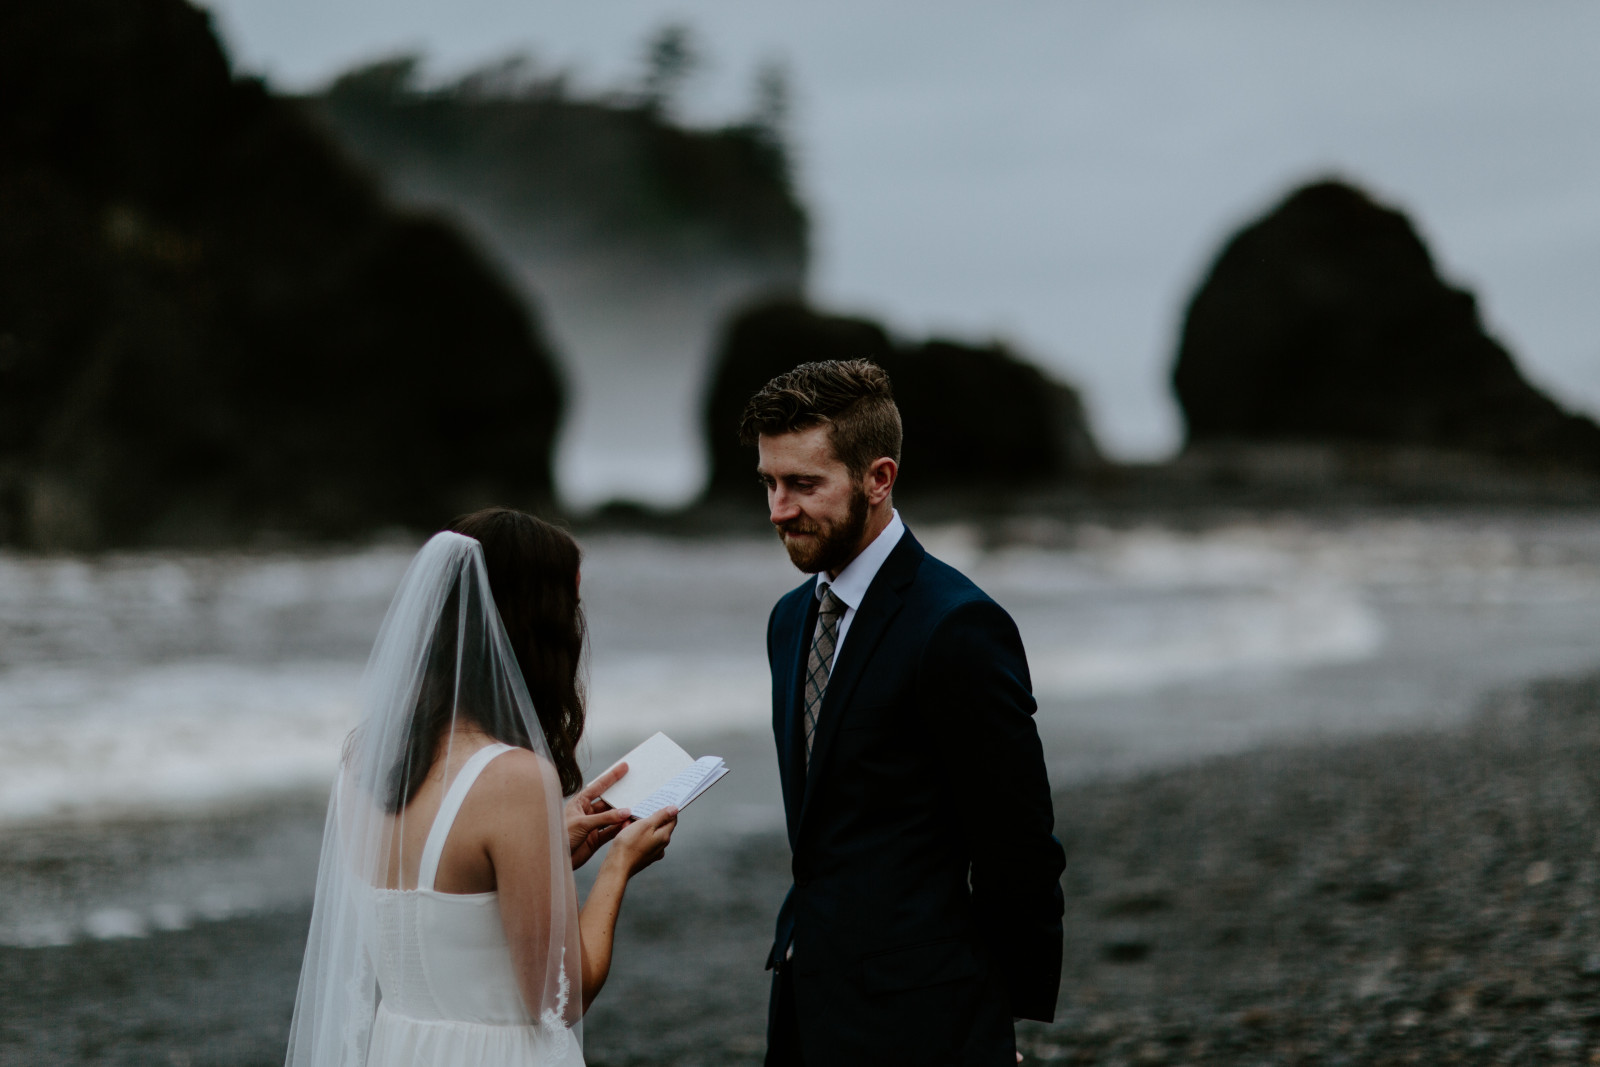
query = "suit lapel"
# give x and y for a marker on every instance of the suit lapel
(872, 619)
(792, 730)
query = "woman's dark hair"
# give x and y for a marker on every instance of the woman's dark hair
(533, 577)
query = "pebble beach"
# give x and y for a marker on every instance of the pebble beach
(1423, 898)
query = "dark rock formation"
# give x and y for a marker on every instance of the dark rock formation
(211, 324)
(1326, 322)
(975, 418)
(640, 236)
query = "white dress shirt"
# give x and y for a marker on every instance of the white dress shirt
(851, 585)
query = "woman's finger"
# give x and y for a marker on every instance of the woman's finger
(591, 792)
(664, 822)
(601, 820)
(662, 817)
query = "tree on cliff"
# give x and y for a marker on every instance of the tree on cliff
(617, 175)
(211, 323)
(671, 58)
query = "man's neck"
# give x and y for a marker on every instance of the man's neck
(877, 521)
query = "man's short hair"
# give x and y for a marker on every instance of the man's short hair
(852, 398)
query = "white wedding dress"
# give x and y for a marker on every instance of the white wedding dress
(415, 977)
(448, 994)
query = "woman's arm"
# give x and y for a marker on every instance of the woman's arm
(513, 809)
(638, 846)
(512, 806)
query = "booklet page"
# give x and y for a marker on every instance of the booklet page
(650, 766)
(684, 787)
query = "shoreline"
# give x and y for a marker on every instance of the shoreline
(1198, 488)
(1424, 896)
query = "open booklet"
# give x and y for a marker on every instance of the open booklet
(661, 774)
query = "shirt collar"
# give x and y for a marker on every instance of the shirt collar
(851, 585)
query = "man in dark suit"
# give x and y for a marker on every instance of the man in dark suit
(925, 914)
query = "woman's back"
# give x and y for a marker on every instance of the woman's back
(424, 832)
(447, 985)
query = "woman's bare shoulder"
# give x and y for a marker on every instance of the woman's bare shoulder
(516, 790)
(518, 773)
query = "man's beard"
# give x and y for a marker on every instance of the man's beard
(832, 546)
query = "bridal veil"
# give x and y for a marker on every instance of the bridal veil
(442, 654)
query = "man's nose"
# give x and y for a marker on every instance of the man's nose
(782, 506)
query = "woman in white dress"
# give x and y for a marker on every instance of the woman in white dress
(446, 927)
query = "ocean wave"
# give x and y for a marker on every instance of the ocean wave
(170, 737)
(167, 682)
(1287, 628)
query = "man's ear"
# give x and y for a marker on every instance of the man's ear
(879, 480)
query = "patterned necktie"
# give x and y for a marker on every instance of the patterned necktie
(820, 664)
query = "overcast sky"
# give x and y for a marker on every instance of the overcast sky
(1060, 174)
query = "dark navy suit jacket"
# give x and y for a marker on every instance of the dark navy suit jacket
(926, 906)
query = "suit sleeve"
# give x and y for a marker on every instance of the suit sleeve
(772, 619)
(977, 689)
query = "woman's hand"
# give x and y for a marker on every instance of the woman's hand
(641, 843)
(591, 822)
(636, 846)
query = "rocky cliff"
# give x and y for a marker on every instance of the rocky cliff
(635, 234)
(977, 418)
(1326, 322)
(211, 324)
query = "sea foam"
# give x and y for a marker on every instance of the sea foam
(170, 682)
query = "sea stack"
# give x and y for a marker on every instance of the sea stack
(634, 234)
(977, 417)
(212, 326)
(1325, 322)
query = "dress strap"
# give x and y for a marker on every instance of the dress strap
(449, 807)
